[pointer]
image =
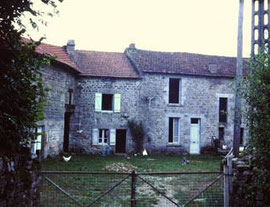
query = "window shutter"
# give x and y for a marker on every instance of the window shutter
(95, 136)
(98, 101)
(112, 136)
(117, 102)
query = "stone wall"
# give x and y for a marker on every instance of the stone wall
(86, 118)
(146, 100)
(20, 181)
(59, 81)
(199, 99)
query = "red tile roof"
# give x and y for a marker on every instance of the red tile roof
(59, 53)
(182, 63)
(104, 64)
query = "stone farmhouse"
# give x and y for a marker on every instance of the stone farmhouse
(183, 100)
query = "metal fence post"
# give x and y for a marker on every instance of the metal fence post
(133, 189)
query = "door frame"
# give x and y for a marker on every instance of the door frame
(116, 141)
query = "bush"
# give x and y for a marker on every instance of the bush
(138, 134)
(256, 91)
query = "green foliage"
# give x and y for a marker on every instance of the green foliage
(138, 134)
(21, 92)
(256, 91)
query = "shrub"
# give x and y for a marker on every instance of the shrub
(138, 135)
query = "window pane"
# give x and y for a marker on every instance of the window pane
(175, 129)
(174, 90)
(107, 102)
(170, 129)
(100, 133)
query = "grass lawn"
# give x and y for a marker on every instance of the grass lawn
(157, 163)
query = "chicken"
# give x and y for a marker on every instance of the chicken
(66, 159)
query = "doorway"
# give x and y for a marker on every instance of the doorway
(66, 131)
(195, 136)
(120, 141)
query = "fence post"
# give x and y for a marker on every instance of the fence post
(226, 186)
(133, 189)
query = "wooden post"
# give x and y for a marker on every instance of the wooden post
(238, 77)
(230, 171)
(133, 189)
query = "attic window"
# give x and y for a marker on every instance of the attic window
(174, 90)
(212, 68)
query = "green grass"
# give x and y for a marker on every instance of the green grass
(85, 188)
(158, 163)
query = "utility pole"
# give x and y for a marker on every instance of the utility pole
(260, 28)
(238, 77)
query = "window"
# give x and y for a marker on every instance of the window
(174, 130)
(107, 102)
(221, 133)
(174, 90)
(36, 144)
(223, 102)
(103, 136)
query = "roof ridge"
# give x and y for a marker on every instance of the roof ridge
(99, 51)
(177, 52)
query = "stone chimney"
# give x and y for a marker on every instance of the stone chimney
(132, 46)
(70, 47)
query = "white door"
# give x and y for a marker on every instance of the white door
(195, 136)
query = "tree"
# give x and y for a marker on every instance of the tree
(21, 91)
(256, 91)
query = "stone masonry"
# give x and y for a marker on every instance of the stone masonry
(58, 81)
(141, 78)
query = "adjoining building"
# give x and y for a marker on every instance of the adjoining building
(183, 100)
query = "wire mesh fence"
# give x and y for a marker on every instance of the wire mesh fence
(126, 189)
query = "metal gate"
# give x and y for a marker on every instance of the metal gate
(132, 189)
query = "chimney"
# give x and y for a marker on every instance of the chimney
(132, 46)
(70, 47)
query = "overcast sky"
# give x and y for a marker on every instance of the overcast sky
(196, 26)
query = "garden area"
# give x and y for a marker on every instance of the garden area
(161, 180)
(154, 163)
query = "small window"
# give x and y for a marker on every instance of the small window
(194, 121)
(36, 144)
(221, 133)
(103, 136)
(174, 130)
(107, 102)
(223, 102)
(174, 90)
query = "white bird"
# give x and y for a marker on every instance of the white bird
(66, 159)
(144, 152)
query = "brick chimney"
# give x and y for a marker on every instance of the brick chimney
(70, 47)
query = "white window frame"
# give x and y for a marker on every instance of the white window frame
(173, 135)
(102, 138)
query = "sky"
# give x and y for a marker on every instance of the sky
(195, 26)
